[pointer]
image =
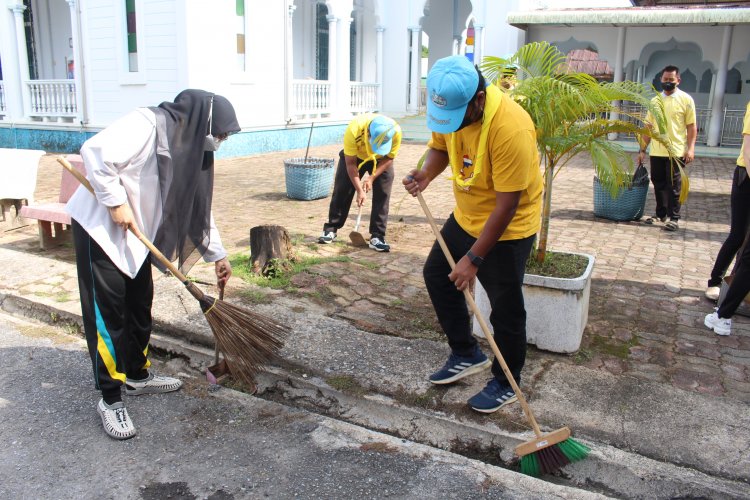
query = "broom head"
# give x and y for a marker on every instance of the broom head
(247, 339)
(550, 452)
(357, 239)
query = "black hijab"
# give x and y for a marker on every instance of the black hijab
(186, 171)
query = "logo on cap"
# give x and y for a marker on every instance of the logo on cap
(438, 100)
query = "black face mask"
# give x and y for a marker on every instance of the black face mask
(668, 86)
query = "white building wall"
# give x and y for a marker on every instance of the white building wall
(111, 89)
(501, 39)
(395, 59)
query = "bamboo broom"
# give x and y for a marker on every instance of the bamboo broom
(248, 340)
(548, 452)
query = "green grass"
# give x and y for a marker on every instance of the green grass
(346, 384)
(613, 347)
(558, 265)
(280, 272)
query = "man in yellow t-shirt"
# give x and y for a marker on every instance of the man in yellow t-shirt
(739, 215)
(371, 143)
(679, 109)
(490, 143)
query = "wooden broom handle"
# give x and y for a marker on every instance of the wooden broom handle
(482, 322)
(133, 228)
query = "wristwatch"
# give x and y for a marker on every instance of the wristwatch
(475, 259)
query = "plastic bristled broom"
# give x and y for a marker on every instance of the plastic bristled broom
(549, 451)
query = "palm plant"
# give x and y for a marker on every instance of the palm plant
(573, 113)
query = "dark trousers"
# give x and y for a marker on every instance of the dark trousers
(739, 222)
(740, 285)
(501, 275)
(343, 194)
(116, 314)
(667, 186)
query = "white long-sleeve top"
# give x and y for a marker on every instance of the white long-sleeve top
(121, 165)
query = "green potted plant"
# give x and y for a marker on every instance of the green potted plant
(573, 113)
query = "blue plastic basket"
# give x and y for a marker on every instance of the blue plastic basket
(308, 180)
(627, 206)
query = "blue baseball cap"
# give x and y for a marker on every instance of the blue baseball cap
(382, 130)
(451, 83)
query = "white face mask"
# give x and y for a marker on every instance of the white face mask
(211, 143)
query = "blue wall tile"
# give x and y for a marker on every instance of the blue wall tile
(241, 144)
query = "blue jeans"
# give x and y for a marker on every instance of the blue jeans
(501, 275)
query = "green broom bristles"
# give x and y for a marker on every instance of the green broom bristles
(552, 458)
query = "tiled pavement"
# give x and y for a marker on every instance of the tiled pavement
(647, 305)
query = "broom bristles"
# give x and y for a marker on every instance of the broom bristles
(248, 340)
(553, 458)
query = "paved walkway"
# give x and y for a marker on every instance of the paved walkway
(647, 305)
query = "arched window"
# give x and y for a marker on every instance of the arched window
(705, 85)
(321, 42)
(734, 81)
(688, 82)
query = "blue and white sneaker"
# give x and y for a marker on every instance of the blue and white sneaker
(458, 367)
(379, 245)
(493, 397)
(327, 237)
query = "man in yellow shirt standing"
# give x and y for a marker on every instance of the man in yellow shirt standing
(490, 143)
(679, 109)
(371, 143)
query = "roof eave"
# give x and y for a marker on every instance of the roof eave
(630, 17)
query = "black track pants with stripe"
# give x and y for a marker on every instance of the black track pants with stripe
(116, 314)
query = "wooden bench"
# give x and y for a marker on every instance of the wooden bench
(53, 221)
(18, 168)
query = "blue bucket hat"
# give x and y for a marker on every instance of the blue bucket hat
(382, 130)
(451, 83)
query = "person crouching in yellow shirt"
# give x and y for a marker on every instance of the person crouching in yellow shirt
(371, 143)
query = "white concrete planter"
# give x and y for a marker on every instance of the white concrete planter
(557, 309)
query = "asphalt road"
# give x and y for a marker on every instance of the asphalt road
(202, 444)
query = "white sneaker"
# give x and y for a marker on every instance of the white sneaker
(720, 326)
(154, 384)
(712, 293)
(379, 245)
(116, 420)
(327, 237)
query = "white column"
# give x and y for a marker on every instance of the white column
(343, 79)
(332, 71)
(23, 58)
(478, 43)
(414, 77)
(619, 58)
(456, 45)
(717, 111)
(78, 59)
(379, 66)
(289, 104)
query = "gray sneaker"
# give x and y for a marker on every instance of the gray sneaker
(116, 421)
(153, 384)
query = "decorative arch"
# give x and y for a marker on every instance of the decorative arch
(573, 44)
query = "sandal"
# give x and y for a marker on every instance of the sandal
(654, 219)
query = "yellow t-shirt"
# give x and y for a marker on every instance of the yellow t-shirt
(745, 131)
(511, 164)
(357, 138)
(679, 109)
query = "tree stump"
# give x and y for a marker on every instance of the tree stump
(267, 243)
